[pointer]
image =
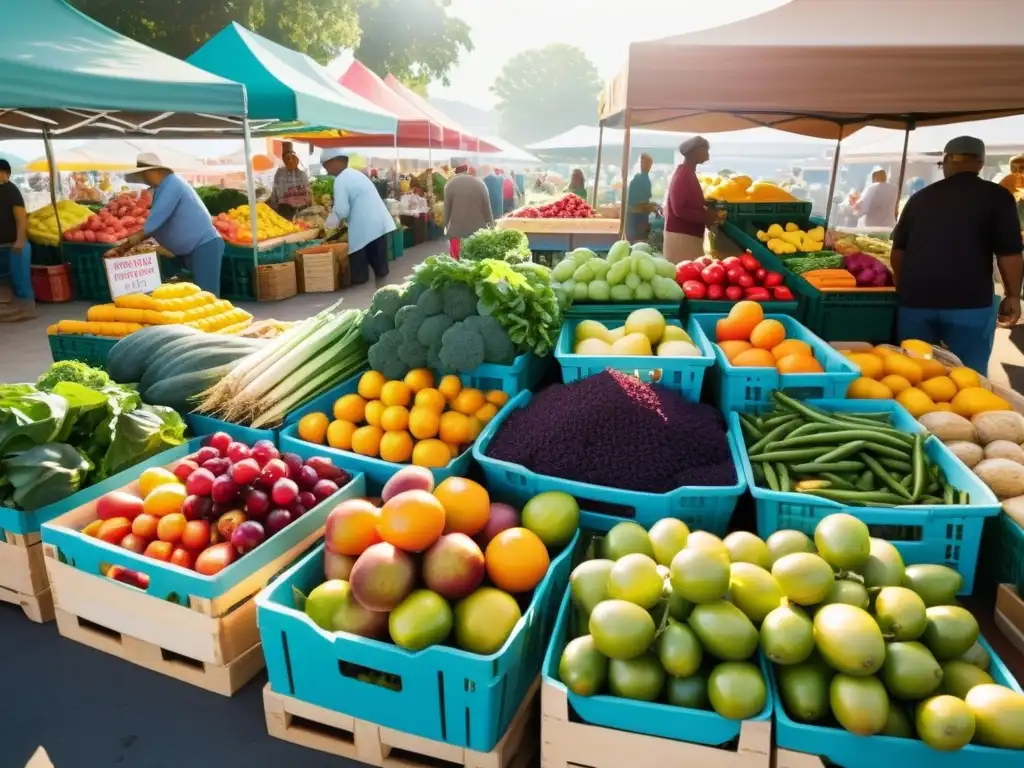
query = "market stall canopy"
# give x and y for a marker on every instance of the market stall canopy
(286, 85)
(116, 155)
(826, 69)
(509, 155)
(454, 135)
(64, 72)
(1003, 135)
(767, 141)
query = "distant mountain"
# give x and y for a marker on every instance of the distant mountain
(469, 117)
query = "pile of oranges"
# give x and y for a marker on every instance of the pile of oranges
(405, 421)
(748, 340)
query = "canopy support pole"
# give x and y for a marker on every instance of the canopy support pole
(903, 167)
(625, 170)
(54, 178)
(597, 173)
(250, 190)
(398, 172)
(832, 181)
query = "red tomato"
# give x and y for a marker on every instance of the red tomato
(215, 559)
(136, 544)
(734, 293)
(750, 263)
(757, 293)
(115, 529)
(182, 558)
(687, 270)
(145, 526)
(713, 274)
(745, 281)
(196, 534)
(782, 293)
(694, 289)
(118, 504)
(760, 275)
(731, 262)
(772, 279)
(90, 236)
(159, 550)
(716, 292)
(733, 275)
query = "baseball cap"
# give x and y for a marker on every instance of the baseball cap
(330, 154)
(965, 145)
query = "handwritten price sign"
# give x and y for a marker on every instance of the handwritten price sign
(139, 273)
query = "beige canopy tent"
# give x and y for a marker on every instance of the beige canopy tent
(827, 68)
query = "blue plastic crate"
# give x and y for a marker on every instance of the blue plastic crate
(601, 311)
(524, 374)
(1002, 548)
(843, 748)
(651, 718)
(700, 507)
(446, 694)
(737, 389)
(683, 374)
(199, 424)
(175, 584)
(942, 535)
(87, 348)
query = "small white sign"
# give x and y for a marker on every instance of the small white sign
(138, 273)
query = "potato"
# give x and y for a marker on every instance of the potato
(969, 453)
(999, 425)
(1004, 477)
(1004, 449)
(949, 427)
(1015, 509)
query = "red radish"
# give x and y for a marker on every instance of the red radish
(782, 293)
(245, 471)
(238, 451)
(760, 275)
(200, 482)
(284, 492)
(731, 262)
(118, 504)
(734, 275)
(687, 270)
(220, 441)
(745, 281)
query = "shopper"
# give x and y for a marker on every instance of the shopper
(942, 251)
(508, 196)
(179, 221)
(291, 190)
(638, 200)
(356, 201)
(686, 214)
(494, 190)
(876, 207)
(577, 184)
(15, 251)
(467, 208)
(1014, 180)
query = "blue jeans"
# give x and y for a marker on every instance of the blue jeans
(17, 267)
(968, 333)
(204, 264)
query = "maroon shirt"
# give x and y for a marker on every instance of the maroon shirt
(685, 211)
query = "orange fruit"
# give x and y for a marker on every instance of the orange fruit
(366, 440)
(467, 505)
(487, 412)
(901, 365)
(418, 379)
(370, 385)
(930, 369)
(768, 334)
(412, 521)
(798, 364)
(516, 560)
(754, 358)
(423, 422)
(454, 450)
(339, 434)
(153, 478)
(728, 329)
(352, 527)
(732, 348)
(374, 411)
(475, 428)
(350, 408)
(896, 383)
(450, 386)
(395, 419)
(165, 499)
(396, 446)
(497, 397)
(941, 389)
(792, 347)
(747, 314)
(313, 427)
(431, 453)
(469, 401)
(870, 365)
(432, 399)
(395, 393)
(455, 428)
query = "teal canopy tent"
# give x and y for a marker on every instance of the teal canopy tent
(289, 86)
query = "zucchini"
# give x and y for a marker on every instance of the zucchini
(194, 361)
(178, 392)
(168, 361)
(128, 358)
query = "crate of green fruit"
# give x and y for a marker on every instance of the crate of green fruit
(628, 274)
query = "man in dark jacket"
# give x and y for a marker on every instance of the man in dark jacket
(467, 208)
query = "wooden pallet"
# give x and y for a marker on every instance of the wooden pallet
(23, 579)
(317, 728)
(569, 744)
(223, 679)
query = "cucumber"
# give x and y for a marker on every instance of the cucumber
(178, 392)
(129, 357)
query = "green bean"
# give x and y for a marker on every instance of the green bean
(947, 495)
(774, 421)
(963, 497)
(900, 454)
(817, 467)
(809, 429)
(804, 454)
(758, 473)
(866, 481)
(843, 451)
(907, 482)
(884, 476)
(776, 433)
(858, 497)
(920, 470)
(769, 474)
(931, 500)
(749, 428)
(881, 417)
(895, 465)
(785, 484)
(838, 482)
(844, 436)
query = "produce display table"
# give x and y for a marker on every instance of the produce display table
(565, 234)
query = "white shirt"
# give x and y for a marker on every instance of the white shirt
(357, 200)
(877, 206)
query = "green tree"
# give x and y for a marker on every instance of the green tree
(414, 40)
(545, 91)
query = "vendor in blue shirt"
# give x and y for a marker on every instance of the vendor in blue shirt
(638, 201)
(180, 222)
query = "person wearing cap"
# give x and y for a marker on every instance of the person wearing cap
(687, 215)
(15, 251)
(180, 222)
(942, 250)
(467, 208)
(638, 198)
(876, 207)
(290, 191)
(1014, 180)
(357, 201)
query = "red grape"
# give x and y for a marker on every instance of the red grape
(285, 491)
(277, 519)
(200, 482)
(238, 451)
(217, 466)
(206, 453)
(224, 489)
(219, 441)
(294, 463)
(324, 468)
(324, 488)
(273, 471)
(307, 500)
(247, 536)
(307, 477)
(263, 451)
(184, 468)
(257, 504)
(245, 471)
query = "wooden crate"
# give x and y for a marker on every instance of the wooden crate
(276, 281)
(317, 728)
(23, 580)
(569, 744)
(1009, 615)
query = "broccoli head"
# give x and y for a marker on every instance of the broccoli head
(376, 324)
(430, 301)
(387, 300)
(432, 329)
(411, 292)
(459, 301)
(498, 347)
(434, 356)
(462, 349)
(384, 357)
(413, 354)
(408, 320)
